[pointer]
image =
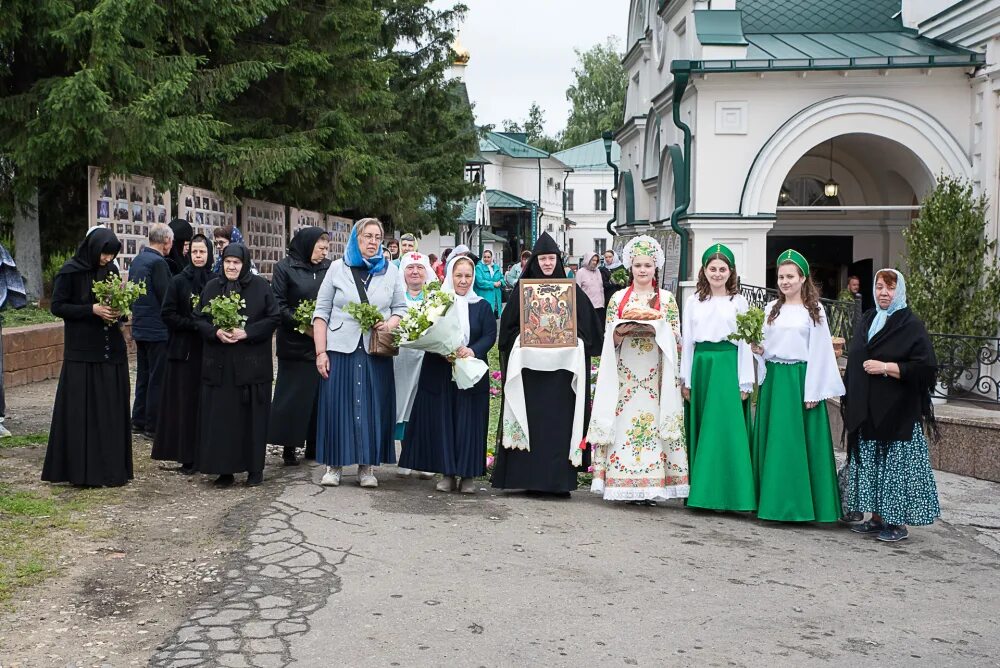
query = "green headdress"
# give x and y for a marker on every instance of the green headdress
(718, 249)
(797, 258)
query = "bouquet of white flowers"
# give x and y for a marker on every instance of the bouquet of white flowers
(433, 326)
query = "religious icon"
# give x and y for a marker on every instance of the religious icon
(548, 313)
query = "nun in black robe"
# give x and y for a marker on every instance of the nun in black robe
(549, 397)
(177, 259)
(90, 438)
(236, 374)
(294, 279)
(176, 427)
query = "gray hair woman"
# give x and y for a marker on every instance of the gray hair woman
(356, 413)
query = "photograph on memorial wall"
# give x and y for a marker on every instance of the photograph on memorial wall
(204, 209)
(126, 205)
(299, 218)
(263, 228)
(339, 229)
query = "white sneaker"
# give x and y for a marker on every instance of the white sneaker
(366, 476)
(403, 473)
(468, 486)
(332, 476)
(446, 484)
(4, 432)
(424, 475)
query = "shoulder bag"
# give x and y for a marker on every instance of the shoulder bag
(380, 344)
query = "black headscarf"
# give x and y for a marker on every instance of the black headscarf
(300, 248)
(545, 245)
(199, 276)
(884, 408)
(182, 232)
(243, 253)
(88, 255)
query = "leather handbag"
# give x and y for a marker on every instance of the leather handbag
(380, 344)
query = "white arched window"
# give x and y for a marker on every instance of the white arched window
(637, 22)
(805, 191)
(651, 149)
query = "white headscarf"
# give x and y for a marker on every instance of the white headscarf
(417, 258)
(615, 262)
(461, 301)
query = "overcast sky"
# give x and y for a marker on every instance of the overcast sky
(522, 51)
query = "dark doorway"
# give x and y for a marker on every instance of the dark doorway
(865, 271)
(827, 256)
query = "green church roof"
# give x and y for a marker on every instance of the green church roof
(495, 199)
(589, 157)
(498, 142)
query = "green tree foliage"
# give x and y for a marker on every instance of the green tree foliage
(952, 279)
(598, 94)
(534, 128)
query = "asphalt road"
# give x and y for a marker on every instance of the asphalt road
(407, 576)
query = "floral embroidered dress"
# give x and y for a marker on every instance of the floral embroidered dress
(643, 457)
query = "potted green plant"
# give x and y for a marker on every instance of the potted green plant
(953, 283)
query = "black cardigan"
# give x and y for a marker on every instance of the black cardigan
(178, 315)
(292, 282)
(86, 337)
(884, 408)
(251, 357)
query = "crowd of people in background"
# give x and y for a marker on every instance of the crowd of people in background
(670, 416)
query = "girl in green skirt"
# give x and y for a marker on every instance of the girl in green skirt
(717, 377)
(793, 460)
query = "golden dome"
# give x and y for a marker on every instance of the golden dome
(462, 55)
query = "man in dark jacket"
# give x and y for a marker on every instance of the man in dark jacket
(148, 330)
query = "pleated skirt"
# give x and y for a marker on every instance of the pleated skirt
(718, 435)
(293, 408)
(447, 429)
(90, 438)
(356, 413)
(793, 461)
(177, 425)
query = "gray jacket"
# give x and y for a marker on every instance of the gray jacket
(385, 292)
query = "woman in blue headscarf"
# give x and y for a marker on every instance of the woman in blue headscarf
(356, 410)
(891, 369)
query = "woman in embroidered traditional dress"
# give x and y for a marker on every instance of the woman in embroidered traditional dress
(416, 271)
(637, 428)
(718, 377)
(794, 466)
(448, 426)
(891, 369)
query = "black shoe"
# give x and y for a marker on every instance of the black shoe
(138, 428)
(288, 456)
(254, 479)
(151, 435)
(186, 469)
(224, 480)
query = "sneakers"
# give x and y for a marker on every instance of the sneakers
(468, 486)
(852, 517)
(332, 476)
(424, 475)
(366, 476)
(893, 533)
(4, 432)
(446, 484)
(403, 473)
(868, 527)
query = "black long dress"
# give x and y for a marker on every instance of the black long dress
(448, 427)
(550, 401)
(90, 439)
(295, 279)
(177, 426)
(235, 401)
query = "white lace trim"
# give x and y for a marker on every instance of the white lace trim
(639, 493)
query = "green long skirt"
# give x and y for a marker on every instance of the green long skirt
(793, 460)
(718, 432)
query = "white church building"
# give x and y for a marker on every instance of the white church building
(819, 125)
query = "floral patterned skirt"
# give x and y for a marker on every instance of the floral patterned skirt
(898, 485)
(639, 465)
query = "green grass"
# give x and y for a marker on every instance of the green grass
(29, 315)
(31, 524)
(24, 441)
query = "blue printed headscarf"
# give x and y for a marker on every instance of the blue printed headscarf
(898, 303)
(237, 238)
(375, 265)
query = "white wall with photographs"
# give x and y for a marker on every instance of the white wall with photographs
(264, 232)
(126, 205)
(204, 209)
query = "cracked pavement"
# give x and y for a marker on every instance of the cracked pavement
(404, 575)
